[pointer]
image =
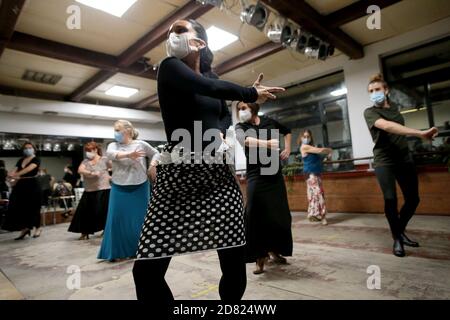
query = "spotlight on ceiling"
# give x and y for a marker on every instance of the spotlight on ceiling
(287, 35)
(57, 147)
(311, 53)
(216, 3)
(313, 43)
(47, 146)
(9, 145)
(325, 50)
(275, 29)
(255, 15)
(295, 39)
(302, 42)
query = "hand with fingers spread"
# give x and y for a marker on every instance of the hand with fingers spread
(136, 154)
(265, 93)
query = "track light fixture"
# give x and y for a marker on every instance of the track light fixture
(302, 42)
(313, 43)
(287, 35)
(275, 30)
(255, 15)
(325, 50)
(216, 3)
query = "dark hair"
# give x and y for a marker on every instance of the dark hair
(254, 107)
(206, 55)
(2, 163)
(26, 143)
(92, 146)
(377, 78)
(310, 135)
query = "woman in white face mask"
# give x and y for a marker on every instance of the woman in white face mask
(393, 161)
(24, 212)
(202, 200)
(267, 210)
(90, 216)
(312, 168)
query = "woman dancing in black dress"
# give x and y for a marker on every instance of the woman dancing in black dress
(194, 207)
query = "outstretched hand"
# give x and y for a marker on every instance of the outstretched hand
(430, 134)
(265, 93)
(136, 154)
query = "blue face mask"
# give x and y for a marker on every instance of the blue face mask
(305, 141)
(118, 136)
(377, 97)
(28, 152)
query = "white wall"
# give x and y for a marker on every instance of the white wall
(357, 73)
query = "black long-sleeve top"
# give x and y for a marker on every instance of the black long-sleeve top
(186, 96)
(243, 130)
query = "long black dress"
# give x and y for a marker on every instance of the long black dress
(268, 218)
(24, 209)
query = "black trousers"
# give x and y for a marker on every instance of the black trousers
(406, 176)
(152, 287)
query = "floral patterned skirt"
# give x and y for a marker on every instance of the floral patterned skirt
(316, 197)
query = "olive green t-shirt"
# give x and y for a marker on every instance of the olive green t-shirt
(390, 149)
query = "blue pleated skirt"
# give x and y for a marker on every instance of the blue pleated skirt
(126, 214)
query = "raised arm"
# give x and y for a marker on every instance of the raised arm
(396, 128)
(85, 172)
(305, 148)
(175, 73)
(113, 154)
(29, 168)
(152, 153)
(247, 139)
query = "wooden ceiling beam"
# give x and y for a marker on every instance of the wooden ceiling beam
(354, 11)
(9, 14)
(307, 17)
(51, 49)
(152, 39)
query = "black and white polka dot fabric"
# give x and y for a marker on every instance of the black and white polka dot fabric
(194, 207)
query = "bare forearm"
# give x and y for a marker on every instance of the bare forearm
(253, 142)
(25, 171)
(287, 141)
(85, 173)
(396, 128)
(325, 150)
(122, 155)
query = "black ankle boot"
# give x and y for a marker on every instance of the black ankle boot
(408, 242)
(398, 249)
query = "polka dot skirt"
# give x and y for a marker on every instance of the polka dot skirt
(194, 207)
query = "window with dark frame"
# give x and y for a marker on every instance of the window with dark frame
(419, 80)
(319, 105)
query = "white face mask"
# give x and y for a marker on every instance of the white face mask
(90, 155)
(245, 115)
(306, 140)
(177, 45)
